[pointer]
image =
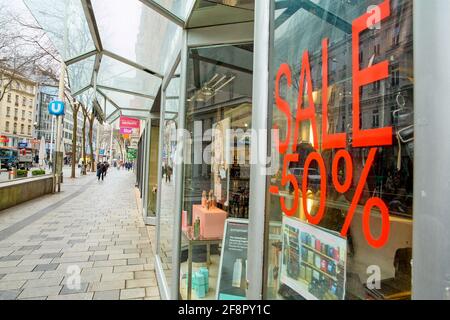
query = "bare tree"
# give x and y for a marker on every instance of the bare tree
(75, 110)
(85, 118)
(24, 48)
(91, 119)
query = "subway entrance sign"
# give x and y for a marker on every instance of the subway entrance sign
(56, 108)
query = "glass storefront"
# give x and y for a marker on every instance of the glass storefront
(216, 170)
(169, 151)
(340, 209)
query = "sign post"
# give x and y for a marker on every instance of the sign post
(56, 108)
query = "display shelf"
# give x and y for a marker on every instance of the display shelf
(319, 253)
(319, 270)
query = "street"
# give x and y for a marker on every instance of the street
(88, 242)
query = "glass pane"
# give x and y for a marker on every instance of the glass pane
(173, 89)
(209, 13)
(145, 37)
(101, 101)
(172, 105)
(128, 101)
(179, 8)
(118, 75)
(87, 98)
(167, 210)
(65, 24)
(216, 174)
(243, 4)
(110, 108)
(344, 230)
(153, 168)
(80, 74)
(136, 114)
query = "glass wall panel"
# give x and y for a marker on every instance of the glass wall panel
(217, 170)
(153, 146)
(87, 98)
(80, 74)
(180, 8)
(118, 75)
(145, 37)
(211, 13)
(128, 101)
(167, 209)
(110, 108)
(135, 114)
(340, 207)
(65, 24)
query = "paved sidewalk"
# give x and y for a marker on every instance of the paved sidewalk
(89, 242)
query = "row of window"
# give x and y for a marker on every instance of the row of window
(17, 100)
(22, 128)
(16, 113)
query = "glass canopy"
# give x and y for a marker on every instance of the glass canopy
(121, 48)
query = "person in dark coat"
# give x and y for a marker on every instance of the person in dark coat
(100, 168)
(105, 169)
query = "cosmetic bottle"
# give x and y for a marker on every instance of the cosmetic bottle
(237, 273)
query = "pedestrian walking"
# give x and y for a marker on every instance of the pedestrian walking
(105, 169)
(100, 168)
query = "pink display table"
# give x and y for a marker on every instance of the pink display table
(212, 221)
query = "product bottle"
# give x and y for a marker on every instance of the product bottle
(204, 200)
(197, 228)
(237, 273)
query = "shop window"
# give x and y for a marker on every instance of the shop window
(216, 171)
(341, 228)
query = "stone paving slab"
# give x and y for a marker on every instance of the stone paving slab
(87, 243)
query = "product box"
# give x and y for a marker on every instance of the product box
(212, 222)
(184, 221)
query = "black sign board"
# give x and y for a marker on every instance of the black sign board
(232, 284)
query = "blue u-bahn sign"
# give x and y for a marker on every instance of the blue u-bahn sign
(56, 108)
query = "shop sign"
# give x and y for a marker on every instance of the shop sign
(4, 139)
(126, 130)
(132, 123)
(232, 282)
(23, 145)
(370, 138)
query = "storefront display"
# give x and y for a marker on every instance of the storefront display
(343, 106)
(217, 170)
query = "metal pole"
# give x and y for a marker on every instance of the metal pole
(111, 144)
(52, 138)
(258, 169)
(431, 238)
(97, 144)
(57, 168)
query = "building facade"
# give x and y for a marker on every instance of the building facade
(17, 111)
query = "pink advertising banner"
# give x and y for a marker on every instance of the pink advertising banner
(132, 123)
(126, 130)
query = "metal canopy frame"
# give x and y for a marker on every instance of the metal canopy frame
(87, 8)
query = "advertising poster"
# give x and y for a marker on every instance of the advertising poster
(233, 262)
(130, 123)
(313, 261)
